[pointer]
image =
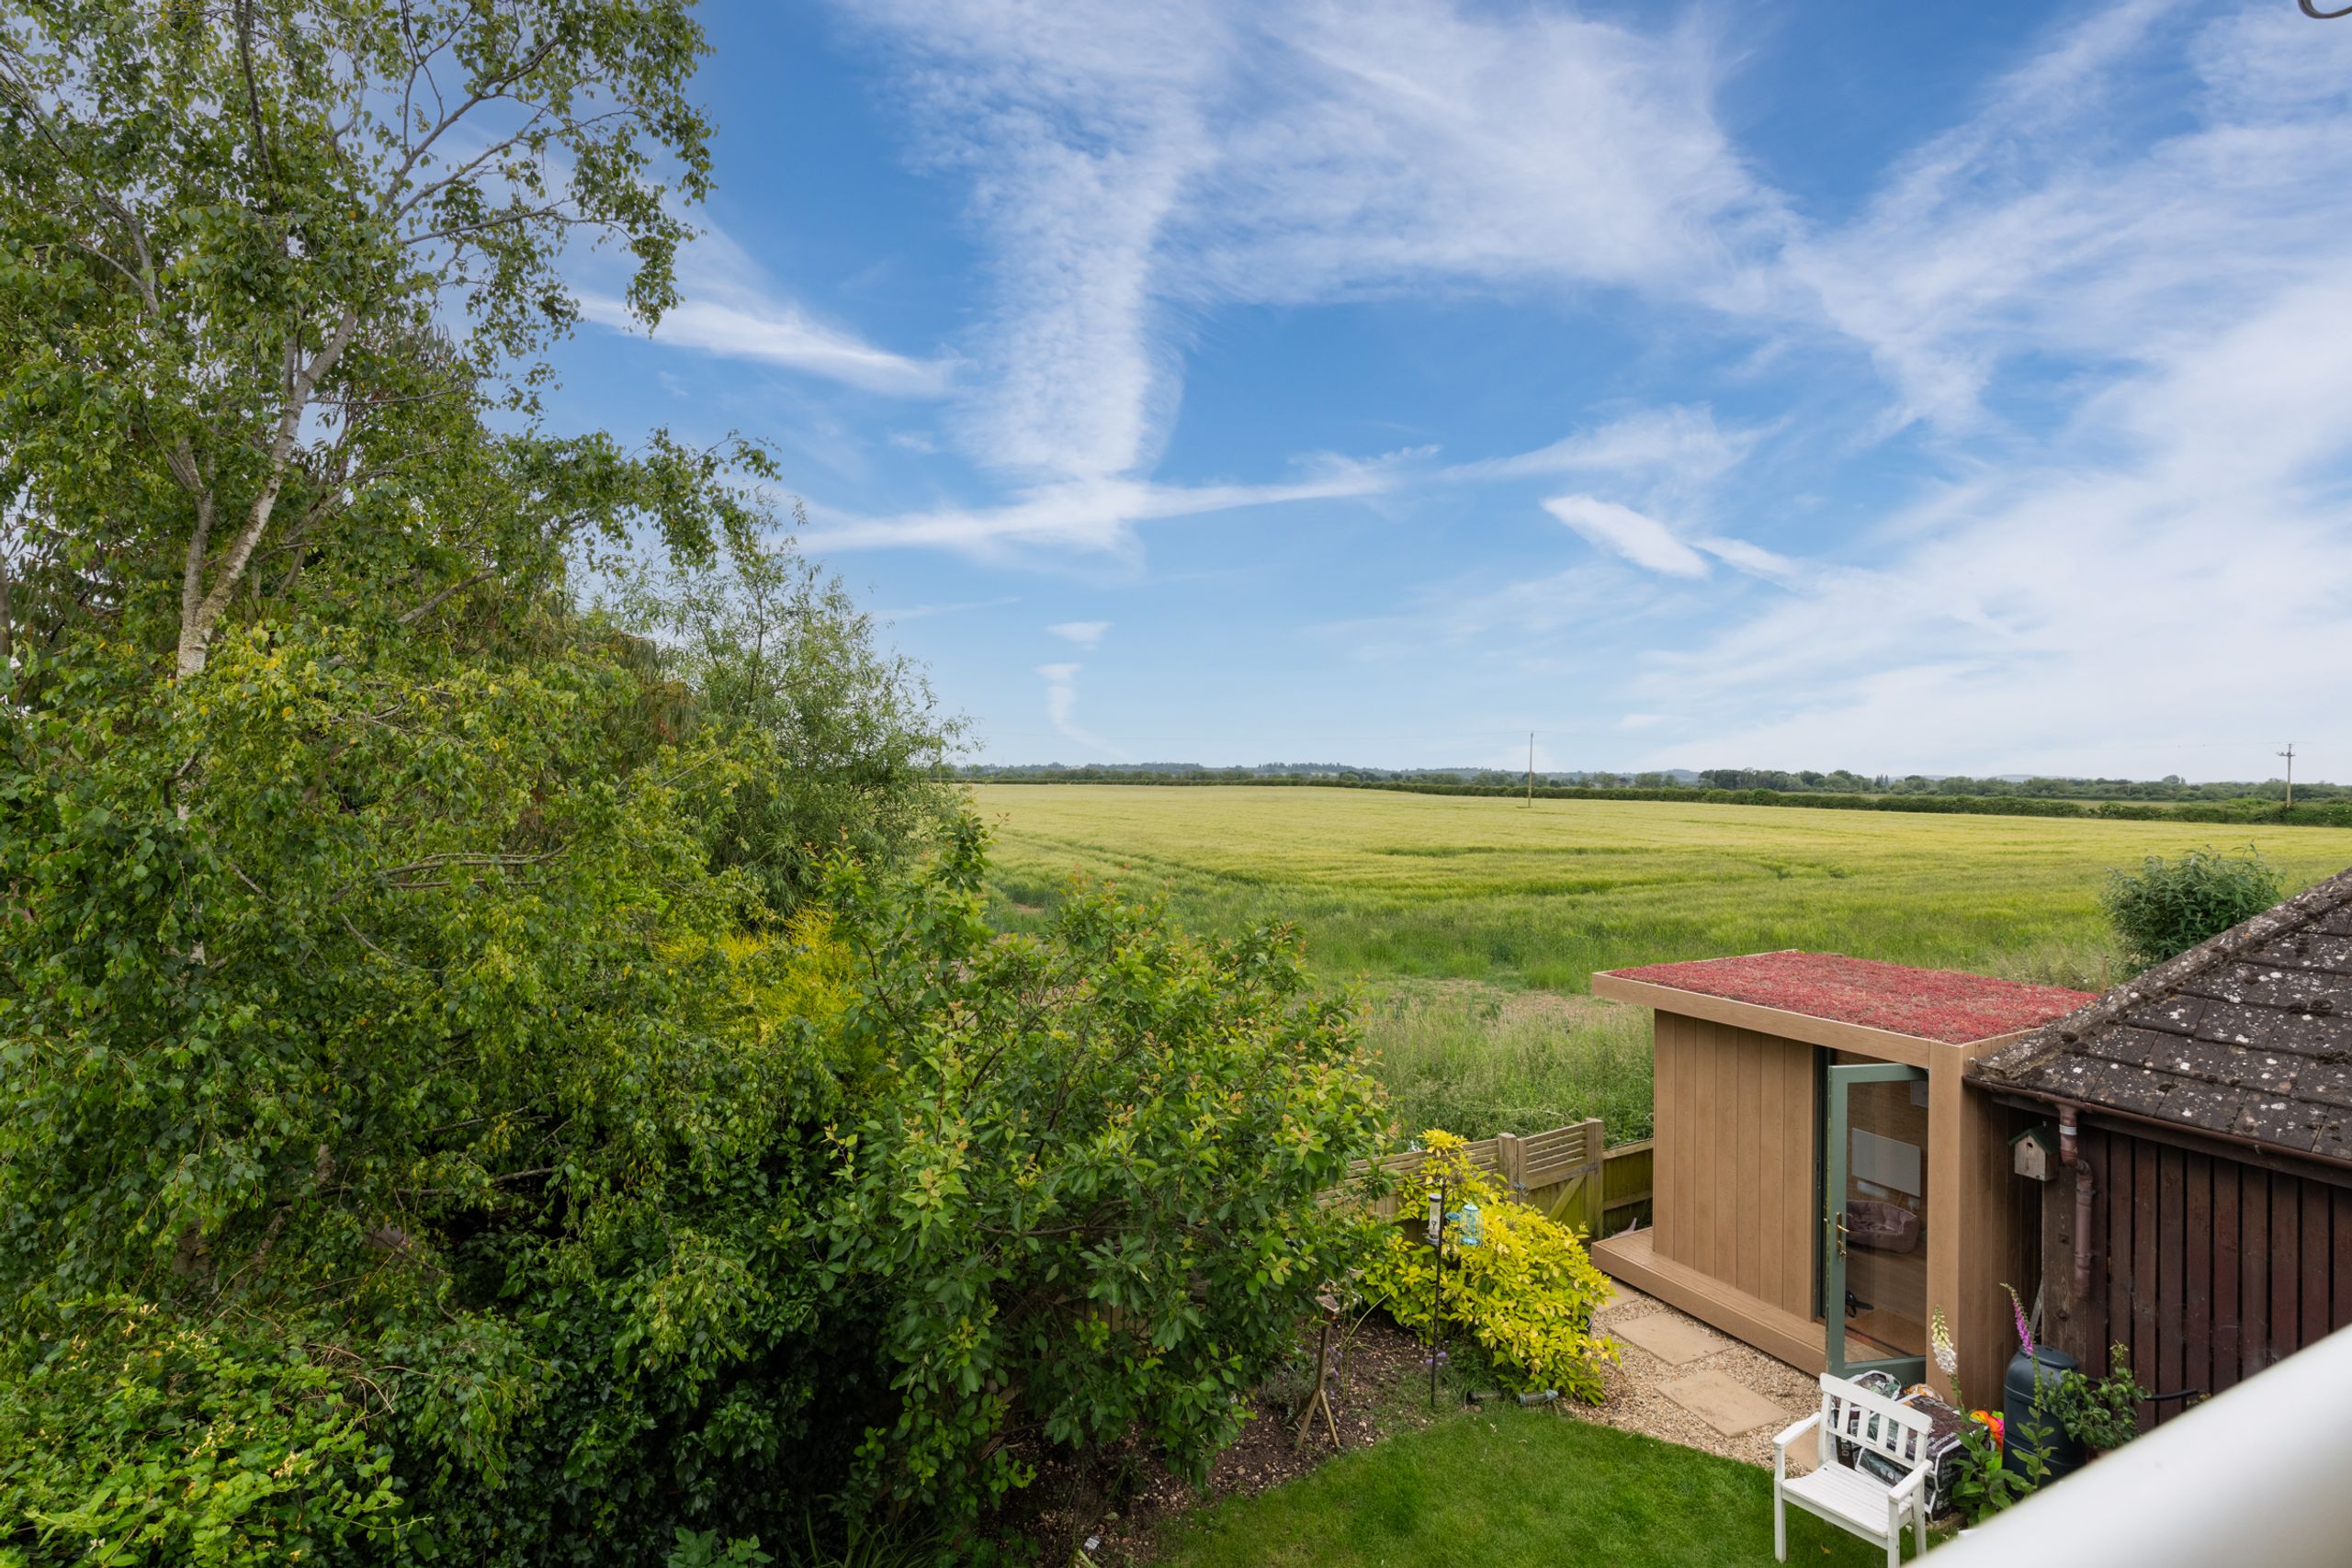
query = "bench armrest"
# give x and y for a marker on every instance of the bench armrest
(1793, 1433)
(1909, 1483)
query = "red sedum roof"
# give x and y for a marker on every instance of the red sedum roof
(1929, 1004)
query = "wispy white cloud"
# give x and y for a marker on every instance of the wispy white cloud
(1088, 515)
(1640, 539)
(1753, 559)
(1086, 634)
(2076, 215)
(2189, 583)
(2108, 303)
(2123, 574)
(926, 612)
(1061, 708)
(1680, 446)
(730, 309)
(777, 333)
(1133, 162)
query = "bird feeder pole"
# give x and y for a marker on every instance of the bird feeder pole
(1437, 1277)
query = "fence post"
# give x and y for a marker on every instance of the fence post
(1511, 1163)
(1596, 1204)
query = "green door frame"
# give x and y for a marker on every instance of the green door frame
(1836, 1142)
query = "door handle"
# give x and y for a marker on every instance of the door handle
(1841, 1223)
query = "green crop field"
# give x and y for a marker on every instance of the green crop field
(1473, 923)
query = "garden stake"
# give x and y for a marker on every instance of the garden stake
(1321, 1398)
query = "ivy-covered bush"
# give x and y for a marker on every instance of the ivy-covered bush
(2168, 907)
(1525, 1292)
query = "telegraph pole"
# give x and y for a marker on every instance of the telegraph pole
(1530, 770)
(2289, 754)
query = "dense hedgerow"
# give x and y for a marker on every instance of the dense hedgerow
(419, 1153)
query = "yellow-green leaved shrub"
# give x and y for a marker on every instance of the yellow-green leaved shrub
(1525, 1292)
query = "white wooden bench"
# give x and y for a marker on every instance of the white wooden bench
(1848, 1497)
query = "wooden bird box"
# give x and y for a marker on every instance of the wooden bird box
(2034, 1153)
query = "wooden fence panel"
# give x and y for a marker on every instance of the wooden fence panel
(1628, 1186)
(1570, 1172)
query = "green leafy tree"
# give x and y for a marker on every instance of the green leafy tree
(846, 749)
(356, 1061)
(1089, 1196)
(257, 260)
(443, 1127)
(2168, 907)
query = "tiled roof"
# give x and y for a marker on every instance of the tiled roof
(2248, 1035)
(1928, 1004)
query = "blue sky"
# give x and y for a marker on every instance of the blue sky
(1938, 387)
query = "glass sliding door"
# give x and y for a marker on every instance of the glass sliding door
(1874, 1219)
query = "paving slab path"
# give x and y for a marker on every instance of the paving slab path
(1681, 1381)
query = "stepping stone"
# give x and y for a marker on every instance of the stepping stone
(1729, 1407)
(1669, 1336)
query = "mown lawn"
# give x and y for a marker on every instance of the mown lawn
(1510, 1487)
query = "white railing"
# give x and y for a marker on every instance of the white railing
(2260, 1476)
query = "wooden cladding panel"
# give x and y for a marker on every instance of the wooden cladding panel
(2208, 1269)
(1735, 1137)
(2197, 1264)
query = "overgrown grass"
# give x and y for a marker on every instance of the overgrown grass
(1459, 914)
(1387, 884)
(1512, 1486)
(1478, 1060)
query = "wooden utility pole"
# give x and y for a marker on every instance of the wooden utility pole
(1530, 770)
(2289, 754)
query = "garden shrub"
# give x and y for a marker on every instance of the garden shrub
(129, 1437)
(1525, 1292)
(2101, 1414)
(505, 1184)
(1087, 1199)
(2168, 907)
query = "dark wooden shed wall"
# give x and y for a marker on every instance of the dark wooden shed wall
(2208, 1268)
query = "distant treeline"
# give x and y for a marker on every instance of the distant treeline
(2320, 805)
(2170, 787)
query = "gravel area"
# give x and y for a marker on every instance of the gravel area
(1634, 1404)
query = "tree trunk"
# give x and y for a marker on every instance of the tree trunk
(200, 609)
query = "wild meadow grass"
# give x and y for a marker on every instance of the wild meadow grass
(1384, 884)
(1477, 1060)
(1393, 892)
